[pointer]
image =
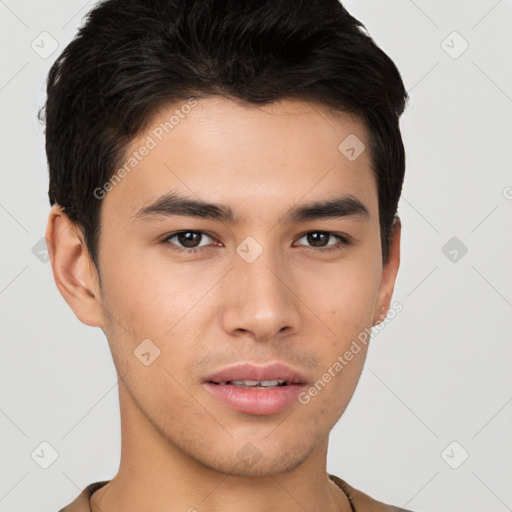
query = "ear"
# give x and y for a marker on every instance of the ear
(389, 273)
(73, 270)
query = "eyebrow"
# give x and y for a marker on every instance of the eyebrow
(173, 204)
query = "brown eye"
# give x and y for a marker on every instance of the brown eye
(186, 240)
(320, 240)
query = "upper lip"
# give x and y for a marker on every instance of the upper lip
(249, 371)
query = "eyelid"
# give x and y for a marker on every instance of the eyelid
(344, 240)
(188, 249)
(342, 236)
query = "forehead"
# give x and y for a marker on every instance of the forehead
(258, 159)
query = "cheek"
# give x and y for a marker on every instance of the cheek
(156, 301)
(345, 296)
(151, 293)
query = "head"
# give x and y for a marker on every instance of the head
(270, 113)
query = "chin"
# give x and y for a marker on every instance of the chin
(251, 461)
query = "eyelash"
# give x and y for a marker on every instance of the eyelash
(343, 242)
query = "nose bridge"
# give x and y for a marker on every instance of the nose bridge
(262, 301)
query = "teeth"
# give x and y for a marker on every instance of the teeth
(255, 383)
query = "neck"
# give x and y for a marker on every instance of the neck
(155, 474)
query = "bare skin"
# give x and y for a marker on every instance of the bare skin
(296, 303)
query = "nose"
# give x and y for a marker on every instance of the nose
(261, 299)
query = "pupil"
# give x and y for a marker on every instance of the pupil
(187, 238)
(313, 238)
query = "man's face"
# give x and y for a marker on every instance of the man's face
(263, 289)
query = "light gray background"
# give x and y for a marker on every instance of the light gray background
(439, 372)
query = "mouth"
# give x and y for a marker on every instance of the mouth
(255, 384)
(256, 390)
(252, 375)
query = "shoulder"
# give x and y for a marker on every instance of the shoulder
(361, 502)
(81, 502)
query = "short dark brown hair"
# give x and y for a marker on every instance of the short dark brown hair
(134, 56)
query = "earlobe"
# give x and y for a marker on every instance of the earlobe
(75, 276)
(389, 273)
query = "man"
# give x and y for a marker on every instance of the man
(224, 177)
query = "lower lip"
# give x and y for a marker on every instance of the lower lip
(256, 400)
